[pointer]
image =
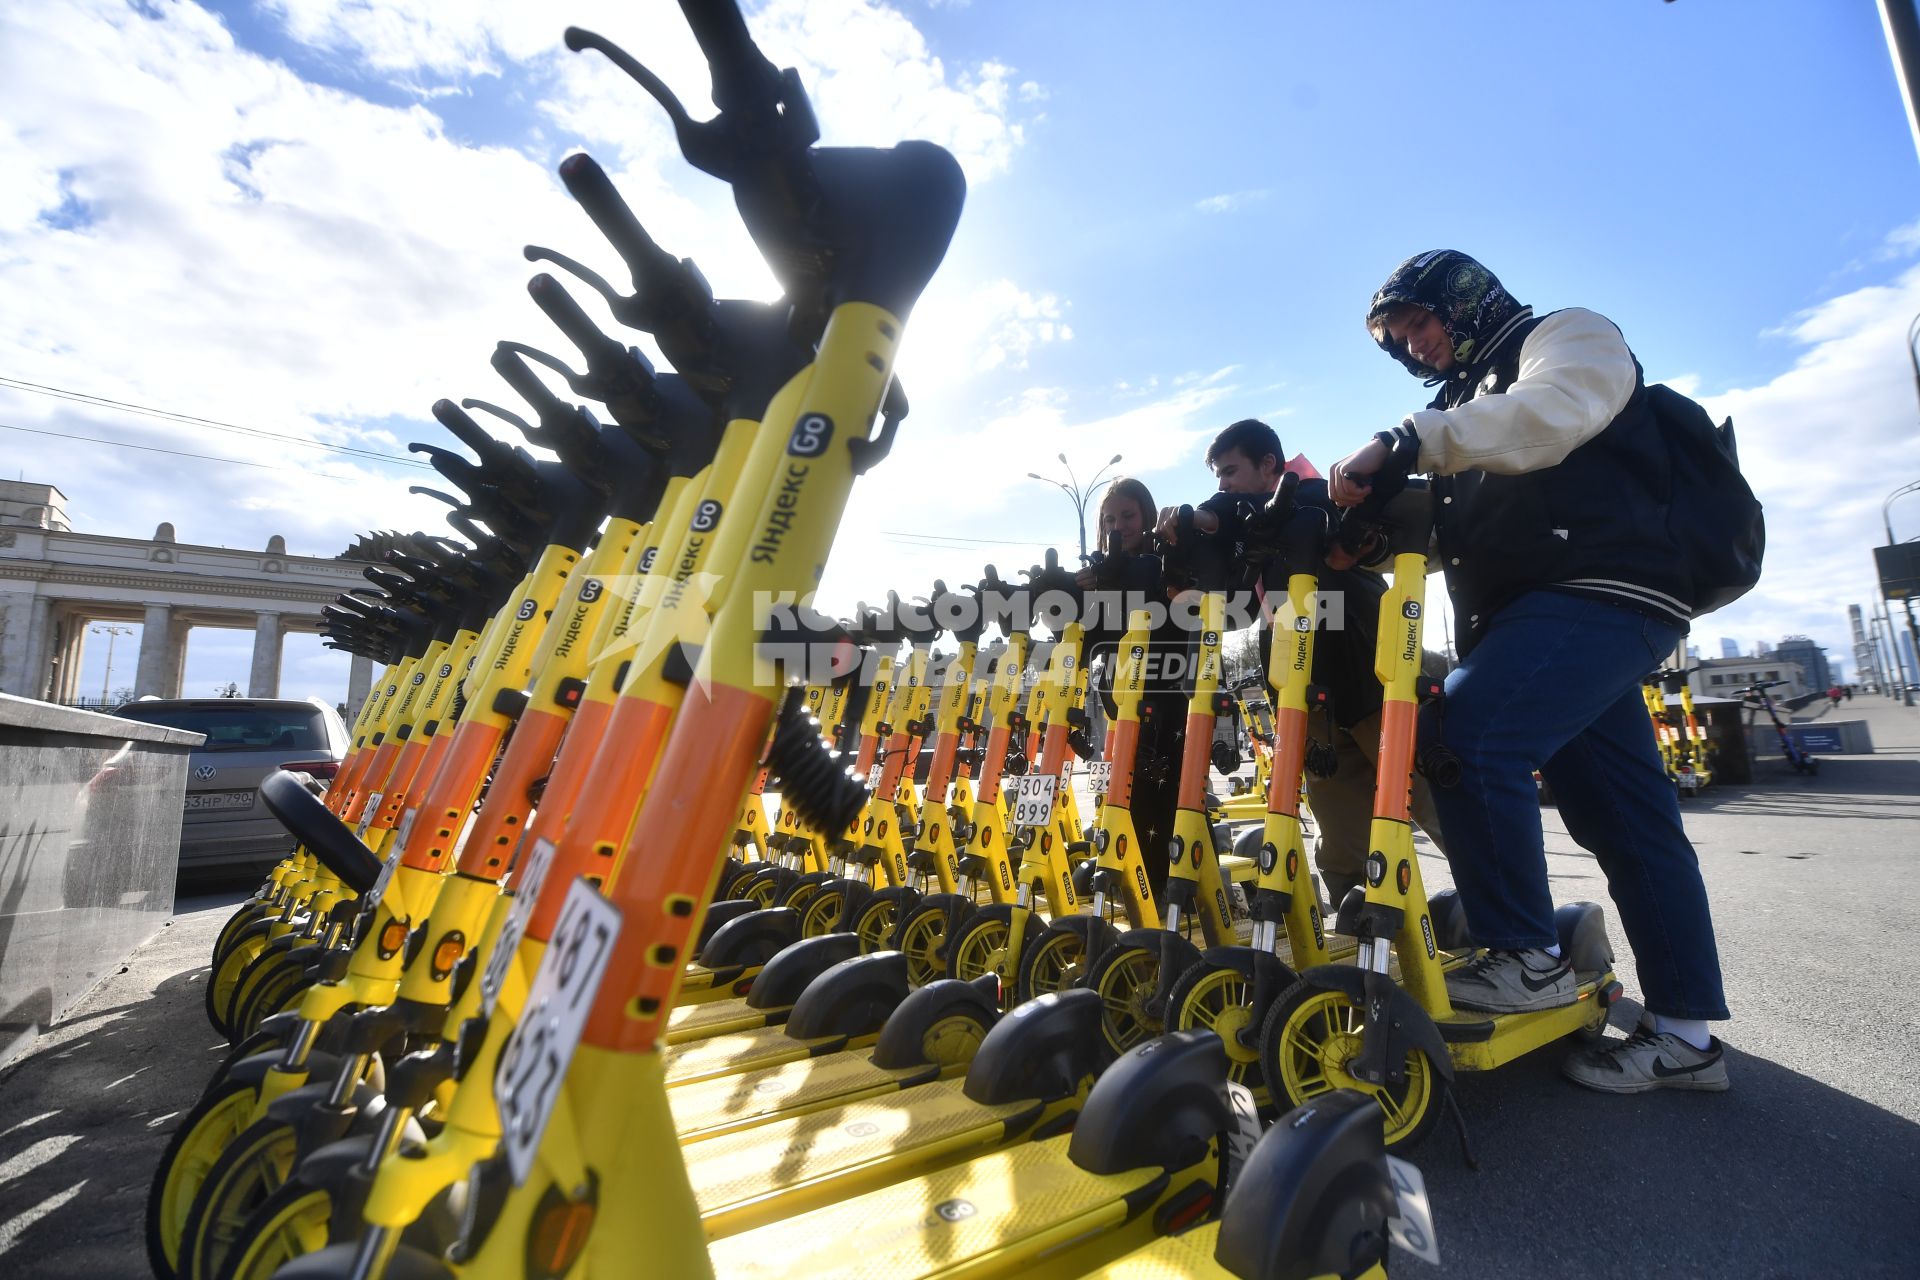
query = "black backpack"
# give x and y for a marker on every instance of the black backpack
(1714, 519)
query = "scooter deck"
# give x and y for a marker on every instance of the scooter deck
(746, 1180)
(1483, 1041)
(1027, 1211)
(690, 1022)
(702, 984)
(708, 1109)
(748, 1051)
(1187, 1256)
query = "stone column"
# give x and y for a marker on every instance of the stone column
(177, 646)
(67, 686)
(158, 669)
(359, 681)
(264, 680)
(39, 648)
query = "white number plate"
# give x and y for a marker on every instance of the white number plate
(1412, 1226)
(368, 814)
(405, 829)
(533, 1066)
(525, 888)
(873, 776)
(1099, 773)
(1033, 799)
(1245, 1133)
(379, 889)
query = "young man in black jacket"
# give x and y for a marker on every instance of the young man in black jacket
(1247, 463)
(1567, 590)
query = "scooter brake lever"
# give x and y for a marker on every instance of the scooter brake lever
(575, 380)
(706, 146)
(456, 503)
(465, 429)
(893, 407)
(464, 475)
(564, 428)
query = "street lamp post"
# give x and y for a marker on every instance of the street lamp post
(111, 633)
(1913, 352)
(1886, 521)
(1077, 494)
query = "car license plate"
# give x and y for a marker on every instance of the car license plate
(201, 801)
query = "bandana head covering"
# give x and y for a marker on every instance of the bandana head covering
(1469, 300)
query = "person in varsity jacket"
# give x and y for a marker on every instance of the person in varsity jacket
(1550, 473)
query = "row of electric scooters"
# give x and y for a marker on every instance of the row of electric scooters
(1677, 731)
(548, 989)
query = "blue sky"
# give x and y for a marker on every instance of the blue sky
(305, 216)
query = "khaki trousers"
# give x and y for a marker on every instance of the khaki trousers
(1343, 807)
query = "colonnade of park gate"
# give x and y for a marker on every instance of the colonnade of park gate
(56, 583)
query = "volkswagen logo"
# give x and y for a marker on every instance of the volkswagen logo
(205, 772)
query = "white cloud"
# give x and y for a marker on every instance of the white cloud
(867, 68)
(1823, 444)
(1230, 201)
(190, 225)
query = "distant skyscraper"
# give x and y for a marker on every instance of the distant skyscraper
(1811, 657)
(1761, 649)
(1693, 653)
(1729, 647)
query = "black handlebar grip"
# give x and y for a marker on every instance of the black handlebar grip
(588, 183)
(567, 315)
(740, 70)
(512, 367)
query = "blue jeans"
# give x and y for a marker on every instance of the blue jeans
(1554, 685)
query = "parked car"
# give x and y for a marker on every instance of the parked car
(225, 828)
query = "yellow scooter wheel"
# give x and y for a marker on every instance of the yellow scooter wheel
(291, 1224)
(1063, 955)
(1219, 998)
(225, 978)
(874, 924)
(984, 946)
(1126, 976)
(1313, 1033)
(922, 936)
(821, 914)
(254, 1166)
(196, 1146)
(277, 989)
(761, 888)
(237, 923)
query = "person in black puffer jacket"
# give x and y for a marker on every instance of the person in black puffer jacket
(1132, 569)
(1552, 486)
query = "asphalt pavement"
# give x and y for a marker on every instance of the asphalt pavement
(1808, 1167)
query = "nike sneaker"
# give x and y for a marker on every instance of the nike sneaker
(1648, 1060)
(1513, 982)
